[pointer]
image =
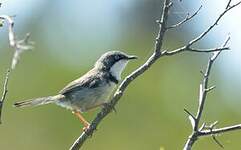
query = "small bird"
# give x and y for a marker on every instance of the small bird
(91, 90)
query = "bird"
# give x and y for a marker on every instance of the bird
(89, 91)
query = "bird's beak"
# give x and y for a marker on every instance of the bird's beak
(132, 57)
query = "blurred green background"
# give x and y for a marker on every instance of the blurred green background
(70, 35)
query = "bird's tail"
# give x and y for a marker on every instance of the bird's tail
(38, 101)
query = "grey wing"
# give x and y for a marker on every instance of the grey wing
(74, 85)
(87, 81)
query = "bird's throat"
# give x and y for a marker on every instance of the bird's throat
(118, 68)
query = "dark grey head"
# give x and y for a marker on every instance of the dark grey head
(114, 62)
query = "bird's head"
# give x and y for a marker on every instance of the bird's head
(114, 62)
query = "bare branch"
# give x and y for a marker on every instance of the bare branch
(217, 142)
(139, 71)
(191, 117)
(210, 89)
(212, 26)
(202, 98)
(232, 6)
(189, 49)
(207, 50)
(4, 94)
(198, 38)
(189, 113)
(228, 5)
(162, 24)
(220, 130)
(202, 126)
(218, 52)
(119, 92)
(188, 17)
(19, 46)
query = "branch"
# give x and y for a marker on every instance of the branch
(204, 85)
(228, 5)
(187, 47)
(188, 17)
(220, 130)
(207, 50)
(4, 94)
(228, 8)
(203, 91)
(157, 53)
(119, 92)
(162, 24)
(19, 46)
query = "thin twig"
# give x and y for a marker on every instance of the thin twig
(217, 141)
(187, 18)
(207, 50)
(19, 46)
(4, 94)
(220, 130)
(228, 5)
(189, 113)
(212, 26)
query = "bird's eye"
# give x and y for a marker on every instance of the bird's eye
(117, 57)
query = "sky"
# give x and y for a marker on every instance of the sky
(229, 25)
(230, 63)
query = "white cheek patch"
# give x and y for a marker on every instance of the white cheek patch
(117, 69)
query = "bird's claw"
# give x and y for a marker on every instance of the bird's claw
(86, 128)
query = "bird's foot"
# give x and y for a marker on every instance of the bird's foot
(88, 131)
(86, 127)
(82, 120)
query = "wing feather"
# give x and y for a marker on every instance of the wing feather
(89, 80)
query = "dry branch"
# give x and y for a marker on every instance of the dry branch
(157, 53)
(205, 130)
(4, 94)
(119, 92)
(19, 46)
(203, 91)
(188, 17)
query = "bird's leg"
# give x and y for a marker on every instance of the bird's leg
(82, 120)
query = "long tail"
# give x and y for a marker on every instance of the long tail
(38, 101)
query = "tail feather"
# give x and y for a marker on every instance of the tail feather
(38, 101)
